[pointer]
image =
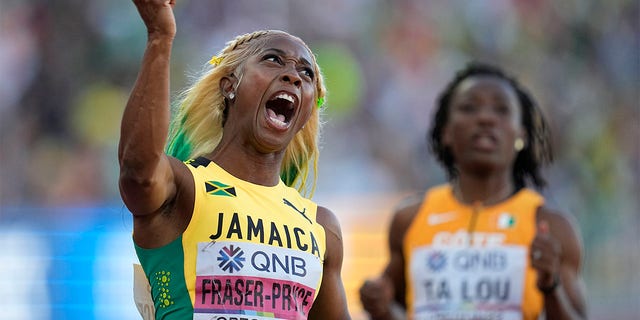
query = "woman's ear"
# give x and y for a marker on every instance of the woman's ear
(521, 141)
(228, 86)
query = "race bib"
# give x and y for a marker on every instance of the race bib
(142, 293)
(240, 280)
(464, 283)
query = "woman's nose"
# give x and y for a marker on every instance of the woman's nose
(290, 74)
(487, 115)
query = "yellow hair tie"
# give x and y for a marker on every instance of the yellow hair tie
(215, 60)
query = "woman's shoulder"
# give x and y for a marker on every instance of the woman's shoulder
(329, 221)
(409, 206)
(556, 218)
(405, 212)
(562, 226)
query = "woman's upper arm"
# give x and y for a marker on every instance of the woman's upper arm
(146, 194)
(147, 175)
(395, 270)
(331, 302)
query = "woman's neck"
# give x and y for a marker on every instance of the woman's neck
(261, 169)
(482, 191)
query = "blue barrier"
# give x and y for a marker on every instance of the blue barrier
(66, 263)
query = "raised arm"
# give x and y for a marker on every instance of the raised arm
(331, 302)
(146, 176)
(557, 256)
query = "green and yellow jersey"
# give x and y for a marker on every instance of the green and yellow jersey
(249, 252)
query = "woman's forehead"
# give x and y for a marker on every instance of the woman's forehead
(486, 83)
(288, 45)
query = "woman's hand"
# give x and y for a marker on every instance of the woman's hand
(545, 256)
(376, 296)
(158, 17)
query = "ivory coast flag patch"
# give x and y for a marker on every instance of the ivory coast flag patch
(506, 220)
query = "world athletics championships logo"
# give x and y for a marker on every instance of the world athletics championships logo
(436, 261)
(231, 258)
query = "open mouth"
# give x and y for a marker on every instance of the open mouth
(485, 140)
(281, 108)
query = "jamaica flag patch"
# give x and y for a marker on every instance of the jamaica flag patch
(216, 188)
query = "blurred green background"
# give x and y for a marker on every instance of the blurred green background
(67, 66)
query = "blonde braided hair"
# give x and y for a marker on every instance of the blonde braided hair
(197, 126)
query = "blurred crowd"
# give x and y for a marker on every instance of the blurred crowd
(66, 68)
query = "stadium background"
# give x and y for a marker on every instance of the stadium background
(66, 68)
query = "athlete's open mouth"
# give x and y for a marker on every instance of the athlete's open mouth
(484, 140)
(281, 108)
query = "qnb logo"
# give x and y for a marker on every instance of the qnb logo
(231, 259)
(436, 261)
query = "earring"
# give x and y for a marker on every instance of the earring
(232, 95)
(518, 145)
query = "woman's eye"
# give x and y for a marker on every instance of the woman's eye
(467, 107)
(502, 109)
(272, 58)
(308, 72)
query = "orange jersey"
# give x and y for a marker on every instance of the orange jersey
(472, 262)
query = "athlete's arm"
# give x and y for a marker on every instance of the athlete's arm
(146, 174)
(384, 297)
(559, 266)
(331, 302)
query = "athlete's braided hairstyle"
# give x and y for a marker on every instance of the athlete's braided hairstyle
(196, 128)
(537, 151)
